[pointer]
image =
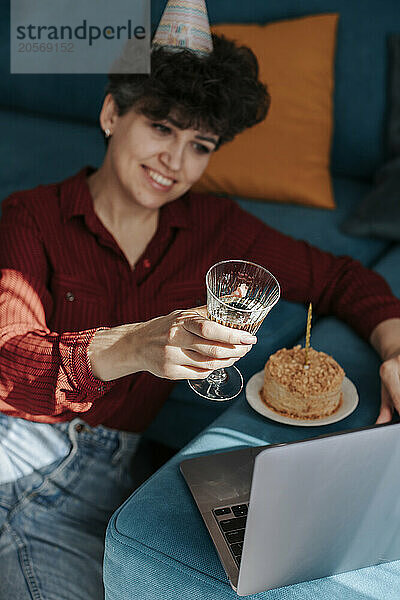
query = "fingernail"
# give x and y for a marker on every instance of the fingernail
(248, 339)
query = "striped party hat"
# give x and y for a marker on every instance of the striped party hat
(184, 24)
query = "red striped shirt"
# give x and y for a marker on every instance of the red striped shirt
(64, 276)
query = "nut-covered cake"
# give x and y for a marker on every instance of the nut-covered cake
(292, 390)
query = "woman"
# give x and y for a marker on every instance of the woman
(98, 276)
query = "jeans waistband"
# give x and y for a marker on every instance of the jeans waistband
(27, 445)
(104, 436)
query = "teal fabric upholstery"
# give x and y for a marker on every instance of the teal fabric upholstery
(64, 96)
(42, 149)
(319, 226)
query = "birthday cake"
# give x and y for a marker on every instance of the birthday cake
(300, 392)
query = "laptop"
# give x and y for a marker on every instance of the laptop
(286, 513)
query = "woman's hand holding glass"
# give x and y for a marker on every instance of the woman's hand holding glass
(184, 344)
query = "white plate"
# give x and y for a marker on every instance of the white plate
(349, 403)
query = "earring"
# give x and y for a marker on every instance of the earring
(107, 133)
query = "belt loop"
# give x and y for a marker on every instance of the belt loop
(128, 442)
(122, 447)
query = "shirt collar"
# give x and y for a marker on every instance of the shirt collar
(76, 199)
(75, 196)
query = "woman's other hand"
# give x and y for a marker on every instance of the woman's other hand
(386, 340)
(184, 344)
(390, 389)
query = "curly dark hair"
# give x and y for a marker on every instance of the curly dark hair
(220, 92)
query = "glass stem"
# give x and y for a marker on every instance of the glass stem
(217, 377)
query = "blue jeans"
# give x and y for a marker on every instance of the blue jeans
(59, 485)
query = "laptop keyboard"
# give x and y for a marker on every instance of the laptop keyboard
(232, 522)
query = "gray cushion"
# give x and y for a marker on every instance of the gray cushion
(378, 215)
(393, 132)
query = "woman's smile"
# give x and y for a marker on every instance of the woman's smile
(157, 180)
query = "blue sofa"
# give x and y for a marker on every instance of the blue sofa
(156, 545)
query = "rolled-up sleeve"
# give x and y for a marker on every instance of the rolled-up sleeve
(42, 372)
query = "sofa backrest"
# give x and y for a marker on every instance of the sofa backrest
(360, 80)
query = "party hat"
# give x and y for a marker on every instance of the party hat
(184, 24)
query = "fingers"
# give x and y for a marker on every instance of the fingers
(215, 347)
(390, 375)
(386, 411)
(219, 351)
(194, 359)
(199, 325)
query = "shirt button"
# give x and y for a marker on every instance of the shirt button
(146, 263)
(101, 388)
(69, 296)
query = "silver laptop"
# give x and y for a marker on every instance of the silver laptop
(287, 513)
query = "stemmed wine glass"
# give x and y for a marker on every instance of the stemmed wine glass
(240, 294)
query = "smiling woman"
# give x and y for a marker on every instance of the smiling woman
(102, 277)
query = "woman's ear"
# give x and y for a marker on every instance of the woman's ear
(108, 114)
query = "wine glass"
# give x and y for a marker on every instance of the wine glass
(240, 294)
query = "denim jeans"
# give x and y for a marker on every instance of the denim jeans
(59, 485)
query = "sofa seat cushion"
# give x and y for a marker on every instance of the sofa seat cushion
(157, 543)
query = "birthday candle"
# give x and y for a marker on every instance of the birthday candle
(308, 332)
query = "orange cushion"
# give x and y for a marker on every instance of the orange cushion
(286, 157)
